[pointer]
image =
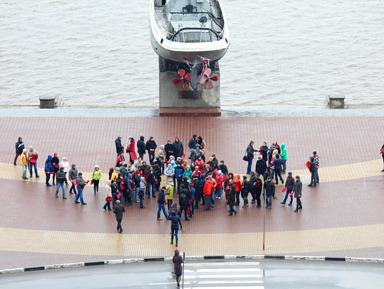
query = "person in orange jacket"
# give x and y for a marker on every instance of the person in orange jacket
(237, 182)
(207, 191)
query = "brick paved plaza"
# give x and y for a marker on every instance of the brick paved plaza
(343, 216)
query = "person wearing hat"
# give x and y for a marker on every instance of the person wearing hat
(119, 146)
(269, 187)
(24, 163)
(19, 146)
(119, 211)
(298, 193)
(80, 184)
(289, 184)
(284, 157)
(151, 146)
(60, 179)
(48, 169)
(95, 178)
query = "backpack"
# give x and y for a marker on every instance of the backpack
(183, 200)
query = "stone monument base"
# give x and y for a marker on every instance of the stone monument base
(175, 101)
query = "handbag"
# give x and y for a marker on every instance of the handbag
(245, 158)
(108, 199)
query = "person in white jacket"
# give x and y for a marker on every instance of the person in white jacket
(65, 165)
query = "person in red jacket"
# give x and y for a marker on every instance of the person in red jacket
(131, 149)
(220, 177)
(207, 191)
(32, 160)
(237, 182)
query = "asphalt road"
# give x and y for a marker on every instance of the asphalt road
(226, 274)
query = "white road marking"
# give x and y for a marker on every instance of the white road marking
(221, 270)
(222, 264)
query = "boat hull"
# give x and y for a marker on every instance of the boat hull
(176, 51)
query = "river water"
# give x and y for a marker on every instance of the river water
(284, 53)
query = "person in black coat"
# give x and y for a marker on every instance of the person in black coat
(231, 197)
(151, 146)
(177, 261)
(245, 191)
(119, 146)
(184, 198)
(19, 146)
(175, 222)
(223, 168)
(278, 163)
(313, 170)
(261, 165)
(252, 187)
(179, 148)
(269, 191)
(264, 151)
(193, 142)
(258, 188)
(56, 167)
(141, 147)
(169, 149)
(250, 151)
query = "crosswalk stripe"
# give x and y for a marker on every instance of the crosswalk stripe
(194, 276)
(207, 282)
(224, 270)
(229, 287)
(222, 264)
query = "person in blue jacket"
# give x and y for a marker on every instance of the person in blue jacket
(48, 169)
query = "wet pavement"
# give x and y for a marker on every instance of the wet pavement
(341, 216)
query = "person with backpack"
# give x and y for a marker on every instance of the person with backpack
(184, 201)
(175, 222)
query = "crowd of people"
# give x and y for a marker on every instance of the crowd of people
(182, 179)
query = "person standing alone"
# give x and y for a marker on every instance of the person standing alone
(95, 178)
(177, 261)
(175, 222)
(19, 146)
(119, 211)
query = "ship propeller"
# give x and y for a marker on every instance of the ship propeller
(184, 77)
(206, 79)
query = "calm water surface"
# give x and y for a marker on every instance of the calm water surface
(98, 53)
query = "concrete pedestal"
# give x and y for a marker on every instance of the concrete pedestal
(174, 101)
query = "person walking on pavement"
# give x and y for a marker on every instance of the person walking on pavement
(161, 204)
(119, 146)
(19, 146)
(289, 184)
(108, 196)
(72, 175)
(250, 152)
(60, 180)
(284, 157)
(48, 169)
(269, 191)
(151, 146)
(177, 261)
(119, 211)
(231, 197)
(95, 178)
(175, 222)
(382, 154)
(298, 193)
(80, 184)
(32, 159)
(24, 163)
